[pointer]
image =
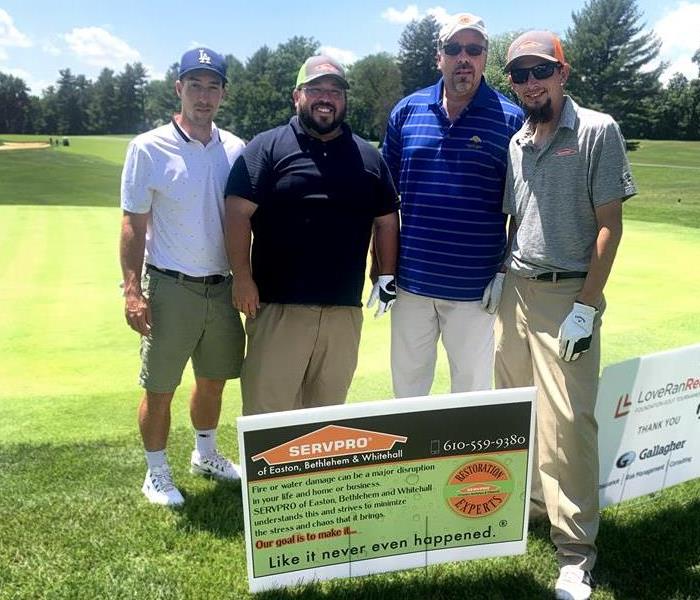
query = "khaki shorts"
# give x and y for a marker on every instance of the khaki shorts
(189, 320)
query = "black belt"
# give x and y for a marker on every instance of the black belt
(207, 279)
(554, 276)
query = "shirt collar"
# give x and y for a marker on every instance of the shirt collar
(479, 99)
(567, 120)
(215, 135)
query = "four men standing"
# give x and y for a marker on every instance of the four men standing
(303, 200)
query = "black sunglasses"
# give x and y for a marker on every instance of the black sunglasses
(454, 49)
(543, 71)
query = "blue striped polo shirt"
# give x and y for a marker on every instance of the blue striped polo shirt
(450, 177)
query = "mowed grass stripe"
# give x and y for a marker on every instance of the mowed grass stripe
(63, 317)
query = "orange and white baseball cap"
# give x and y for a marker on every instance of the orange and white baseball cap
(542, 44)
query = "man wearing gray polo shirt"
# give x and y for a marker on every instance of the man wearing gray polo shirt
(567, 178)
(177, 285)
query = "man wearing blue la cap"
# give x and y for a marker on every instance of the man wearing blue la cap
(177, 284)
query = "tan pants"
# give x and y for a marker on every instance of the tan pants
(299, 356)
(527, 352)
(417, 322)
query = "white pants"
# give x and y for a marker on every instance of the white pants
(417, 322)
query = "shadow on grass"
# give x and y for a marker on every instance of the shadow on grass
(433, 583)
(218, 510)
(653, 557)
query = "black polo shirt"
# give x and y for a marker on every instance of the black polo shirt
(316, 204)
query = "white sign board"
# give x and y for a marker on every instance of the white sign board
(648, 413)
(349, 490)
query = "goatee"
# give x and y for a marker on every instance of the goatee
(543, 114)
(305, 116)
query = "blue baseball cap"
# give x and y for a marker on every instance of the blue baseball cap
(203, 58)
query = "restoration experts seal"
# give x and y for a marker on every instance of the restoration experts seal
(478, 488)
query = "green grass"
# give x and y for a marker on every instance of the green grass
(73, 523)
(667, 175)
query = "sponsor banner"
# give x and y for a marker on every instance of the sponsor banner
(648, 413)
(350, 490)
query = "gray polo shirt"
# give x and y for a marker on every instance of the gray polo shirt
(553, 192)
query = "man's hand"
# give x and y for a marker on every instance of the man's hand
(383, 292)
(576, 331)
(138, 312)
(245, 296)
(492, 294)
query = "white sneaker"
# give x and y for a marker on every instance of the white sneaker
(573, 584)
(214, 465)
(159, 488)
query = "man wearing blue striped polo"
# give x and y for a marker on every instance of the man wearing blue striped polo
(446, 147)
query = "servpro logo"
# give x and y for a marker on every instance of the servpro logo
(329, 441)
(478, 488)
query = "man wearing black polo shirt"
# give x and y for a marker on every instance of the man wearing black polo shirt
(311, 192)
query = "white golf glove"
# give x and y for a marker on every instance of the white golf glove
(383, 292)
(576, 331)
(492, 294)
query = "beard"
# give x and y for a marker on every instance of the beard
(542, 114)
(320, 127)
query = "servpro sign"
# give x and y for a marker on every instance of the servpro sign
(328, 442)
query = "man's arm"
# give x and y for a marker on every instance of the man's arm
(386, 243)
(609, 217)
(238, 239)
(132, 244)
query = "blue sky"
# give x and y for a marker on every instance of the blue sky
(39, 37)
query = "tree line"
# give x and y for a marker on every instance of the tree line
(606, 46)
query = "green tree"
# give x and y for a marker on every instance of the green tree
(131, 98)
(262, 97)
(72, 101)
(375, 86)
(161, 100)
(497, 59)
(103, 109)
(14, 104)
(418, 54)
(610, 57)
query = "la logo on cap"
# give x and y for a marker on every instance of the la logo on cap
(204, 58)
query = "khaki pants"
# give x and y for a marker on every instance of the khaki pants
(565, 479)
(417, 322)
(299, 356)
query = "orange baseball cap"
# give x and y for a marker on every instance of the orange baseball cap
(543, 44)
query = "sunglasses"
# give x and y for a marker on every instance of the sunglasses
(543, 71)
(454, 49)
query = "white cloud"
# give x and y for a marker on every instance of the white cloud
(345, 57)
(97, 47)
(411, 13)
(51, 48)
(9, 34)
(440, 14)
(401, 17)
(678, 32)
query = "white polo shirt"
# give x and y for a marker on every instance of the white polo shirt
(181, 183)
